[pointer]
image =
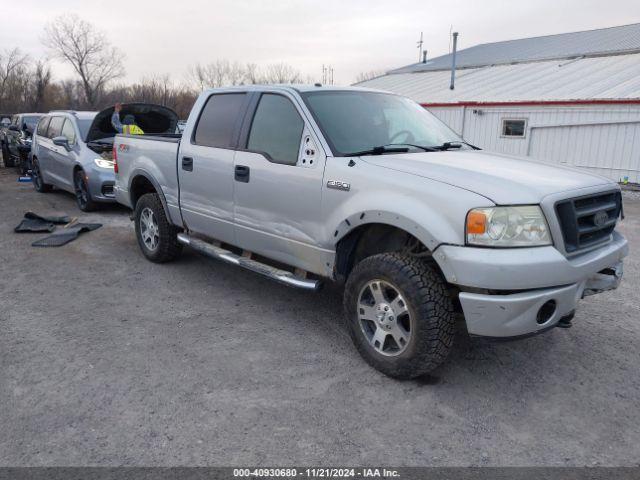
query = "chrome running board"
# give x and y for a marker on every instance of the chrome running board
(276, 274)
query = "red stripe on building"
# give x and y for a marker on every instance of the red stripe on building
(535, 103)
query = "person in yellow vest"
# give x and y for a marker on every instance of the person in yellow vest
(128, 125)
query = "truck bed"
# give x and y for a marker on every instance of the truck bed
(152, 156)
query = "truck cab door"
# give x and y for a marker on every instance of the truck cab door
(205, 166)
(278, 174)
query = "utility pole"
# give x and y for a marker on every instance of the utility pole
(420, 42)
(327, 74)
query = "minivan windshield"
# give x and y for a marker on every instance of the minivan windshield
(357, 121)
(84, 124)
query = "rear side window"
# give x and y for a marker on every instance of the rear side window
(43, 125)
(69, 132)
(276, 129)
(55, 127)
(218, 119)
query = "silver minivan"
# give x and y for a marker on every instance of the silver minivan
(73, 150)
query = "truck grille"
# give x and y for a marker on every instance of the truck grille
(589, 220)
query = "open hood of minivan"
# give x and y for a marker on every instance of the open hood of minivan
(150, 118)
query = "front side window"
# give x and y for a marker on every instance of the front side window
(276, 129)
(69, 132)
(513, 128)
(218, 119)
(30, 121)
(55, 127)
(355, 121)
(43, 125)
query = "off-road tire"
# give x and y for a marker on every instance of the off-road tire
(36, 178)
(428, 300)
(168, 246)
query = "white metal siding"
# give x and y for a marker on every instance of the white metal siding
(604, 139)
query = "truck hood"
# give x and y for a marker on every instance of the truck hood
(501, 178)
(150, 118)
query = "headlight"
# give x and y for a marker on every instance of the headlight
(523, 226)
(102, 163)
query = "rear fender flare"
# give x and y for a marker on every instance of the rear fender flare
(138, 172)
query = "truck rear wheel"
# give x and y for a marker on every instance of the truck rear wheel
(399, 314)
(157, 237)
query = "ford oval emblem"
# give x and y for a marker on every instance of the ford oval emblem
(600, 218)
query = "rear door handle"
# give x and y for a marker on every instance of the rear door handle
(187, 164)
(242, 173)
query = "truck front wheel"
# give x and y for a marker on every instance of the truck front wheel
(157, 237)
(399, 314)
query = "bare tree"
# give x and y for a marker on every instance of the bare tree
(41, 78)
(87, 50)
(219, 73)
(11, 62)
(370, 75)
(251, 74)
(281, 73)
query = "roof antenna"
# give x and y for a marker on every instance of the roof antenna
(420, 42)
(450, 30)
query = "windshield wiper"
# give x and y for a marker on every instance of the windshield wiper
(421, 147)
(453, 145)
(378, 151)
(392, 148)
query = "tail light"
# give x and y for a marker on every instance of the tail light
(115, 158)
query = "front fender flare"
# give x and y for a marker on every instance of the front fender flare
(387, 218)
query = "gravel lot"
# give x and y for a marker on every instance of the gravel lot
(108, 359)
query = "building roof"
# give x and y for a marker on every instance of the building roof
(597, 65)
(590, 43)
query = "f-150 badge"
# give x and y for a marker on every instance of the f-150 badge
(338, 185)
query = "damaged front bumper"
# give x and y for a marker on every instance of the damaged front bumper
(530, 304)
(525, 313)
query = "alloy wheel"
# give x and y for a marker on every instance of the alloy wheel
(82, 194)
(384, 317)
(149, 229)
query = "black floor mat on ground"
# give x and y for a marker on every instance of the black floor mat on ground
(65, 235)
(32, 222)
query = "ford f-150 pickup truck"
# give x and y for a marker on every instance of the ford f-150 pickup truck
(367, 188)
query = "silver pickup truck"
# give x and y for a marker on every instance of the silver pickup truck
(304, 184)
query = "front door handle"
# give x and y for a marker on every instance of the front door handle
(242, 173)
(187, 164)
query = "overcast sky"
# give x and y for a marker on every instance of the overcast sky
(161, 36)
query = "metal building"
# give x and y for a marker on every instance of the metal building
(572, 99)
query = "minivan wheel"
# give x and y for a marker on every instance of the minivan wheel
(399, 314)
(83, 196)
(157, 237)
(36, 178)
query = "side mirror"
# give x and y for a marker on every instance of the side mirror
(61, 142)
(14, 128)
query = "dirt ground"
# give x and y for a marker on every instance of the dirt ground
(108, 359)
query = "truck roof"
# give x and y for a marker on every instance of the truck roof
(295, 88)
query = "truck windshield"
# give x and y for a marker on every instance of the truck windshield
(356, 121)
